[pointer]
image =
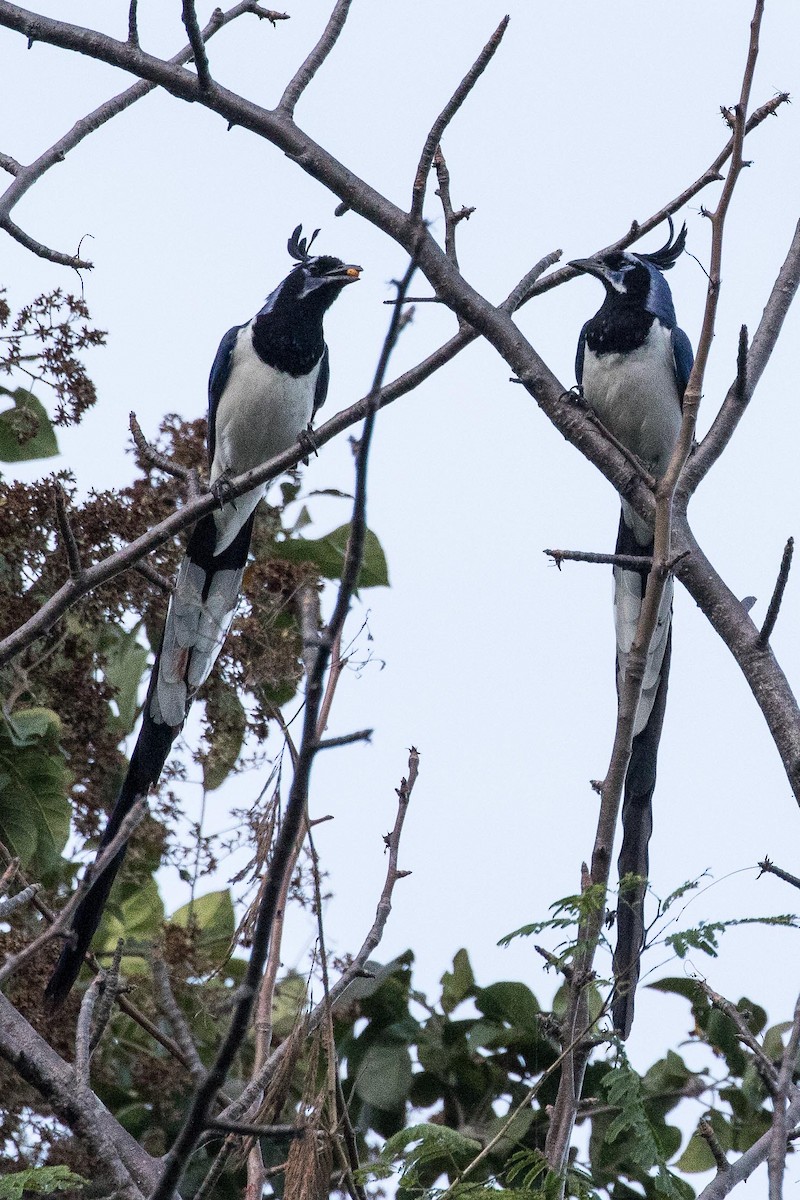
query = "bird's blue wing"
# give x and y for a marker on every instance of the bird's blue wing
(323, 379)
(684, 357)
(579, 355)
(220, 373)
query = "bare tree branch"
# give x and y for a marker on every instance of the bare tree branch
(631, 562)
(66, 533)
(169, 1007)
(39, 248)
(451, 218)
(776, 1158)
(316, 58)
(11, 903)
(738, 396)
(192, 27)
(767, 628)
(14, 961)
(338, 990)
(769, 868)
(27, 175)
(39, 1065)
(446, 115)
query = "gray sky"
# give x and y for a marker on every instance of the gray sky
(498, 667)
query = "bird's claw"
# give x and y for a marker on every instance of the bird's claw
(306, 439)
(575, 394)
(222, 489)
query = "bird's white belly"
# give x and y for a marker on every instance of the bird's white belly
(636, 397)
(260, 413)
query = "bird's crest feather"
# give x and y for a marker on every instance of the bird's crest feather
(670, 252)
(299, 247)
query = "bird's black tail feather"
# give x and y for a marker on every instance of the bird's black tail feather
(149, 755)
(637, 826)
(637, 805)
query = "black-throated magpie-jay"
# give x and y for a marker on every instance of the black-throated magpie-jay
(632, 365)
(267, 381)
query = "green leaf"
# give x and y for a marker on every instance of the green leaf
(228, 721)
(773, 1040)
(433, 1149)
(42, 1181)
(291, 996)
(25, 429)
(125, 664)
(213, 916)
(642, 1146)
(696, 1157)
(458, 983)
(34, 784)
(511, 1002)
(135, 914)
(327, 555)
(384, 1076)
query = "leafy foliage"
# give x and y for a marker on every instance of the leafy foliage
(39, 1181)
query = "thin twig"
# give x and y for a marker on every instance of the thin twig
(706, 1131)
(129, 824)
(776, 1159)
(192, 27)
(9, 875)
(149, 572)
(208, 1188)
(769, 868)
(133, 23)
(334, 675)
(148, 454)
(244, 1129)
(629, 562)
(307, 611)
(355, 970)
(83, 1031)
(451, 218)
(446, 115)
(67, 533)
(171, 1010)
(303, 76)
(764, 1063)
(110, 987)
(39, 248)
(346, 739)
(10, 903)
(767, 628)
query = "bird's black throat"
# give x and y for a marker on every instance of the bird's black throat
(621, 326)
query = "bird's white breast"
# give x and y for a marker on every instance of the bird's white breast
(261, 411)
(636, 397)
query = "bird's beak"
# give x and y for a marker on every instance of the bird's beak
(347, 273)
(589, 266)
